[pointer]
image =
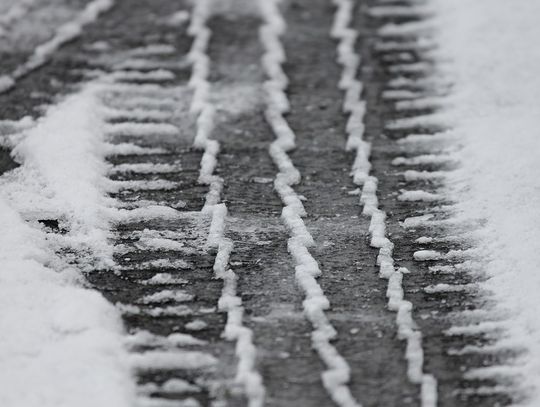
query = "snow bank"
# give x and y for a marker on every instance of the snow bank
(63, 175)
(61, 344)
(490, 47)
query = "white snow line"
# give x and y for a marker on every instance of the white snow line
(410, 123)
(157, 75)
(419, 45)
(65, 33)
(400, 11)
(130, 149)
(442, 288)
(407, 330)
(170, 387)
(153, 50)
(399, 94)
(136, 114)
(166, 295)
(429, 102)
(419, 196)
(413, 175)
(166, 402)
(336, 377)
(504, 373)
(144, 130)
(414, 29)
(155, 312)
(229, 302)
(145, 168)
(426, 159)
(411, 68)
(143, 64)
(139, 185)
(171, 360)
(485, 327)
(502, 345)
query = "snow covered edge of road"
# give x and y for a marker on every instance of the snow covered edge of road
(489, 50)
(64, 345)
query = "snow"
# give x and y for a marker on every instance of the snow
(164, 279)
(147, 339)
(162, 402)
(145, 130)
(153, 50)
(146, 168)
(131, 149)
(157, 75)
(176, 386)
(493, 110)
(168, 311)
(337, 375)
(140, 185)
(425, 159)
(64, 341)
(171, 360)
(427, 255)
(159, 243)
(400, 11)
(137, 114)
(63, 174)
(413, 175)
(418, 195)
(196, 325)
(166, 296)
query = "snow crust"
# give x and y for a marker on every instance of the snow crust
(493, 111)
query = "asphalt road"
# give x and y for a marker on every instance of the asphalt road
(366, 329)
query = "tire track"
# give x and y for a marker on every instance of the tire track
(337, 375)
(246, 374)
(266, 281)
(332, 205)
(412, 151)
(407, 329)
(164, 279)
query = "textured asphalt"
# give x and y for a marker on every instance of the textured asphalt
(272, 300)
